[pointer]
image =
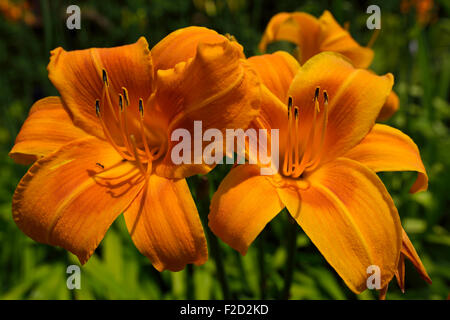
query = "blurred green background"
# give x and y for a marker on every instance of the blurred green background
(415, 49)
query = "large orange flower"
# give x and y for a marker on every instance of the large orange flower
(325, 112)
(104, 146)
(312, 36)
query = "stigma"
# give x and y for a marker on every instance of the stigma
(305, 138)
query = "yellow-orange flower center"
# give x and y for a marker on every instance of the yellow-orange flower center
(303, 151)
(143, 154)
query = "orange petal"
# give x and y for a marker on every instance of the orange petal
(355, 100)
(273, 115)
(216, 87)
(181, 45)
(47, 128)
(297, 27)
(410, 252)
(348, 214)
(78, 77)
(165, 226)
(242, 206)
(388, 149)
(276, 71)
(383, 292)
(65, 200)
(400, 273)
(390, 107)
(334, 38)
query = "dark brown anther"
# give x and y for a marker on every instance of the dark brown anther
(125, 95)
(120, 102)
(316, 93)
(100, 165)
(325, 96)
(289, 106)
(296, 112)
(97, 107)
(141, 107)
(105, 77)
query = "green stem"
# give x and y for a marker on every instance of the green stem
(46, 17)
(217, 256)
(190, 285)
(261, 263)
(291, 251)
(213, 243)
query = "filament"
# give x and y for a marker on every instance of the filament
(304, 153)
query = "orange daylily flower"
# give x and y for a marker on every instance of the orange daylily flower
(312, 36)
(424, 9)
(103, 147)
(408, 251)
(18, 10)
(331, 148)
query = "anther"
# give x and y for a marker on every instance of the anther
(316, 93)
(97, 107)
(289, 106)
(125, 95)
(105, 77)
(141, 107)
(120, 102)
(296, 112)
(325, 96)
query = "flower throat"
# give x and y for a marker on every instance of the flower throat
(303, 151)
(128, 148)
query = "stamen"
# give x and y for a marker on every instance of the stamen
(107, 133)
(307, 151)
(316, 94)
(309, 139)
(141, 107)
(136, 155)
(97, 107)
(120, 102)
(318, 154)
(105, 77)
(143, 136)
(123, 123)
(296, 140)
(287, 163)
(125, 95)
(316, 99)
(105, 93)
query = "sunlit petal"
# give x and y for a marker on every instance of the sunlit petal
(216, 87)
(71, 197)
(47, 128)
(165, 226)
(78, 76)
(241, 207)
(356, 97)
(348, 214)
(388, 149)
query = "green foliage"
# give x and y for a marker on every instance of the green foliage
(417, 55)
